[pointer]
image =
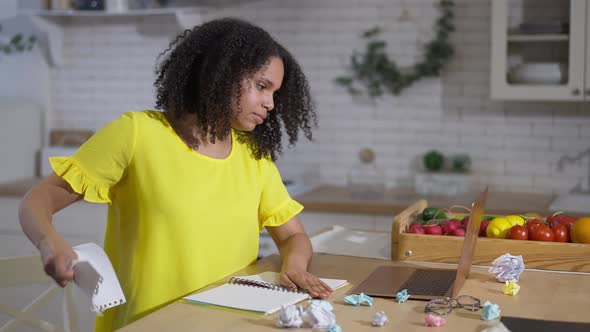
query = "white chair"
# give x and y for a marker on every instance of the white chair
(28, 271)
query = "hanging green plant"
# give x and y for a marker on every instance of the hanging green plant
(374, 71)
(17, 43)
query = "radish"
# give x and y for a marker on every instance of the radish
(483, 227)
(465, 222)
(449, 226)
(459, 232)
(433, 229)
(416, 228)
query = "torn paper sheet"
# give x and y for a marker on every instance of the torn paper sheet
(95, 275)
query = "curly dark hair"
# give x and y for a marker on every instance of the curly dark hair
(204, 65)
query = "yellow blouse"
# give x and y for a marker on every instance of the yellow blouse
(178, 220)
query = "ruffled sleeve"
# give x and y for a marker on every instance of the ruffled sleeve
(78, 179)
(100, 163)
(276, 206)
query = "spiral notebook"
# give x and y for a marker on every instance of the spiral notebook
(260, 293)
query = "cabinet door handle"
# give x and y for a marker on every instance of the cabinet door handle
(576, 92)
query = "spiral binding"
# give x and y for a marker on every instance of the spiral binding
(105, 306)
(264, 284)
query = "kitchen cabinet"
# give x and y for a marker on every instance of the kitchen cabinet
(540, 50)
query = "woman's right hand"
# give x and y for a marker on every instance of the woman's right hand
(58, 258)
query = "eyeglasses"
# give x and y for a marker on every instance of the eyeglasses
(445, 305)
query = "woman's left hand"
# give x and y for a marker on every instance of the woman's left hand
(307, 281)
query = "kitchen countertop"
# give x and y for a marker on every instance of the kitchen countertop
(17, 188)
(330, 198)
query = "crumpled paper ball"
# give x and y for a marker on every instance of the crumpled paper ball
(402, 296)
(290, 316)
(434, 320)
(490, 311)
(507, 267)
(379, 319)
(322, 303)
(359, 299)
(511, 288)
(334, 328)
(318, 316)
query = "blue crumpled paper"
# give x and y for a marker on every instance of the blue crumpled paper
(334, 328)
(379, 319)
(318, 315)
(402, 296)
(359, 299)
(290, 316)
(490, 311)
(507, 267)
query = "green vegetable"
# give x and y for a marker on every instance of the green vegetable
(432, 212)
(420, 219)
(433, 160)
(461, 163)
(487, 217)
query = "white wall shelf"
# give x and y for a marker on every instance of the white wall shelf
(50, 23)
(102, 13)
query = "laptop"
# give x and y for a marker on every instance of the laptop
(428, 283)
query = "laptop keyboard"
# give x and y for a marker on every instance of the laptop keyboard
(429, 282)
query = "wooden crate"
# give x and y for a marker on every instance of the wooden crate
(447, 249)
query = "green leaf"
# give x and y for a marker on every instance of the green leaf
(342, 80)
(372, 32)
(377, 73)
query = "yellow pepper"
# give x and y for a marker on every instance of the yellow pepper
(498, 227)
(515, 220)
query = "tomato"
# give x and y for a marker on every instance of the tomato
(532, 224)
(562, 233)
(560, 218)
(541, 233)
(518, 232)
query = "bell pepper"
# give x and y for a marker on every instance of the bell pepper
(515, 220)
(498, 228)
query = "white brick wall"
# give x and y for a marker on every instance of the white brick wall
(109, 62)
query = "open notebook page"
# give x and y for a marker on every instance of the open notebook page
(274, 278)
(252, 298)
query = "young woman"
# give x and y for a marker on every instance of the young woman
(190, 188)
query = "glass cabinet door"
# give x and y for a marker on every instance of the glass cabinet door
(538, 49)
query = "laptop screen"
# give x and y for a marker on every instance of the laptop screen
(471, 234)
